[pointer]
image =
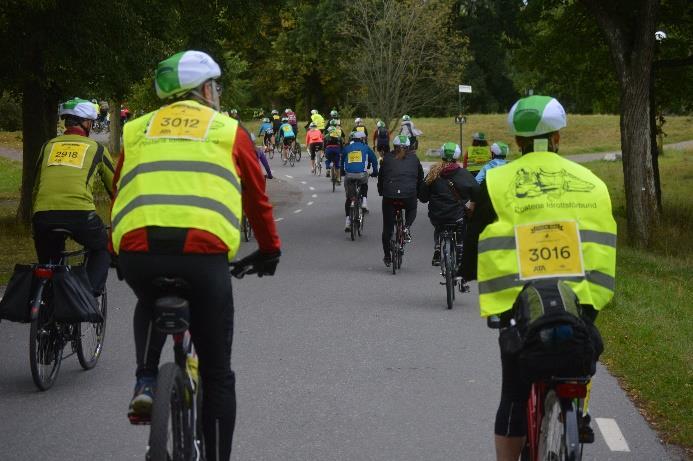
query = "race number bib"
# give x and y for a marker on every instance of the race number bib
(362, 129)
(68, 154)
(549, 250)
(181, 121)
(355, 156)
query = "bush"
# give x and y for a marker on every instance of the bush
(10, 113)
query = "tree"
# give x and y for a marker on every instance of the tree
(408, 57)
(629, 29)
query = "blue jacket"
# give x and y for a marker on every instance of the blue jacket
(264, 127)
(481, 175)
(356, 156)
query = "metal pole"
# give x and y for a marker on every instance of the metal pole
(459, 113)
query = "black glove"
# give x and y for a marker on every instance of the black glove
(262, 263)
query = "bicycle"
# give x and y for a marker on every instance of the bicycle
(398, 239)
(292, 155)
(555, 408)
(319, 157)
(335, 176)
(297, 150)
(48, 337)
(356, 214)
(269, 148)
(176, 427)
(450, 252)
(246, 229)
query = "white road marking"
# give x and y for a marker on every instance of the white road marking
(311, 187)
(314, 196)
(289, 176)
(310, 203)
(297, 211)
(303, 182)
(278, 219)
(612, 434)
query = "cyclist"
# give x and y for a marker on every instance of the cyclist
(408, 129)
(335, 140)
(103, 112)
(447, 189)
(291, 115)
(276, 123)
(286, 133)
(63, 192)
(267, 130)
(334, 116)
(359, 127)
(315, 142)
(333, 149)
(499, 151)
(177, 213)
(355, 160)
(381, 138)
(476, 155)
(318, 119)
(567, 199)
(399, 179)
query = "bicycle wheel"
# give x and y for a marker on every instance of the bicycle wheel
(171, 434)
(353, 216)
(449, 273)
(318, 166)
(394, 251)
(333, 178)
(361, 219)
(90, 337)
(45, 348)
(245, 228)
(292, 158)
(297, 151)
(558, 437)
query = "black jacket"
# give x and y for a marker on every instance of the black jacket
(444, 206)
(400, 178)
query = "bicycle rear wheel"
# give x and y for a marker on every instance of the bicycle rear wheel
(394, 251)
(171, 435)
(333, 177)
(353, 216)
(318, 166)
(361, 219)
(45, 349)
(558, 437)
(449, 274)
(90, 337)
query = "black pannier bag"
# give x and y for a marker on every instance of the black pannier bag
(14, 305)
(556, 341)
(73, 300)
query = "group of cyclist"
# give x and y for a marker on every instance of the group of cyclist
(179, 190)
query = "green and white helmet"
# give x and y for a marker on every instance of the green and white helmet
(334, 113)
(536, 115)
(450, 151)
(380, 124)
(78, 107)
(183, 72)
(401, 140)
(406, 118)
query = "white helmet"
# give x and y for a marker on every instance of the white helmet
(314, 111)
(358, 120)
(77, 107)
(183, 72)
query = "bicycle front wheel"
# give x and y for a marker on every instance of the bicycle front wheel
(90, 337)
(171, 434)
(394, 254)
(297, 151)
(45, 349)
(292, 158)
(558, 437)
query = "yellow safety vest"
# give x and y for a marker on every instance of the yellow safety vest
(318, 120)
(554, 221)
(178, 171)
(477, 157)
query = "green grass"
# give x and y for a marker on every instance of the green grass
(584, 133)
(648, 327)
(11, 139)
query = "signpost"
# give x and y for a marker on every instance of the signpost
(460, 119)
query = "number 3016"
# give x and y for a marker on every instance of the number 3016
(546, 253)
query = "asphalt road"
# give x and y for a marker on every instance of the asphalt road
(336, 359)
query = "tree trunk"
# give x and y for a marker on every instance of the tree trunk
(655, 149)
(39, 124)
(116, 128)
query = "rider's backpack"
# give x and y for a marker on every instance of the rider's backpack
(383, 136)
(556, 341)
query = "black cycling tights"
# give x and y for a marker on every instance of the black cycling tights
(211, 327)
(410, 204)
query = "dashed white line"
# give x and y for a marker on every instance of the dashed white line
(311, 187)
(278, 219)
(289, 176)
(303, 182)
(612, 434)
(297, 211)
(310, 203)
(314, 196)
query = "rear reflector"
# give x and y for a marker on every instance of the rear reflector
(571, 390)
(43, 272)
